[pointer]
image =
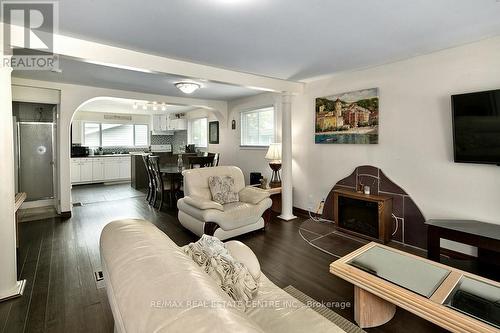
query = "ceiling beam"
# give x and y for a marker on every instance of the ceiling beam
(133, 60)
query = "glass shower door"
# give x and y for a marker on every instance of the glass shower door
(36, 162)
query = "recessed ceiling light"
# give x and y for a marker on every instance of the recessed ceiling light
(187, 87)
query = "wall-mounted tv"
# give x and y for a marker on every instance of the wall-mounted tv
(476, 127)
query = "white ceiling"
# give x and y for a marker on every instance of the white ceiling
(120, 105)
(78, 72)
(289, 39)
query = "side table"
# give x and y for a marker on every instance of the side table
(275, 195)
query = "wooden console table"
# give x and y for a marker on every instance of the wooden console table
(484, 236)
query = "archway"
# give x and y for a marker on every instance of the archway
(79, 103)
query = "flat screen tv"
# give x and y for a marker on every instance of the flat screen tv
(476, 127)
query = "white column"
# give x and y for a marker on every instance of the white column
(286, 158)
(9, 286)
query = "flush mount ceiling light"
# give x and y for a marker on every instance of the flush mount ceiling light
(187, 87)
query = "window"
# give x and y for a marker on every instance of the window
(198, 132)
(116, 135)
(92, 134)
(257, 127)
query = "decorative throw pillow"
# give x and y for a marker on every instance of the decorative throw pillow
(222, 189)
(233, 277)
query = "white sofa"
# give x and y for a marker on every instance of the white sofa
(152, 286)
(201, 215)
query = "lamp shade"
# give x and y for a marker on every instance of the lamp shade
(274, 153)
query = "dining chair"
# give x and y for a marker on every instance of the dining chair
(200, 161)
(151, 188)
(163, 186)
(216, 157)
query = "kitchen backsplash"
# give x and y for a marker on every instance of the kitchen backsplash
(161, 139)
(178, 140)
(109, 150)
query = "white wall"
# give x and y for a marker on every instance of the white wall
(415, 144)
(8, 276)
(248, 159)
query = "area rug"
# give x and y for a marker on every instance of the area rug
(331, 315)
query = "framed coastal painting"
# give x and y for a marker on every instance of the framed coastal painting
(350, 117)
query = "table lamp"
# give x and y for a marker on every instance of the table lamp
(274, 157)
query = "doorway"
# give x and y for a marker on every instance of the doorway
(34, 150)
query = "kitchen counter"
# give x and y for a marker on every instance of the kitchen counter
(106, 155)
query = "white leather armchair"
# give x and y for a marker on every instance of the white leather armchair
(201, 215)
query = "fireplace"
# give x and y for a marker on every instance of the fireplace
(367, 216)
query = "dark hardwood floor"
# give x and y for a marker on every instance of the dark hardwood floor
(58, 259)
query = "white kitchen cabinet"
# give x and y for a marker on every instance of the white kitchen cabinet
(112, 168)
(159, 124)
(86, 170)
(75, 170)
(76, 132)
(98, 169)
(125, 168)
(177, 124)
(81, 170)
(156, 122)
(163, 124)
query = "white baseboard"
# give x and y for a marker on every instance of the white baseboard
(17, 292)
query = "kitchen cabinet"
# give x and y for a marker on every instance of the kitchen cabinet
(177, 124)
(81, 170)
(164, 124)
(111, 168)
(86, 170)
(159, 124)
(75, 170)
(76, 132)
(125, 166)
(100, 169)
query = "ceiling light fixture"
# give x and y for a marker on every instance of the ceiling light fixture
(163, 107)
(187, 87)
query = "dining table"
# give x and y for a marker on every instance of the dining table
(172, 172)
